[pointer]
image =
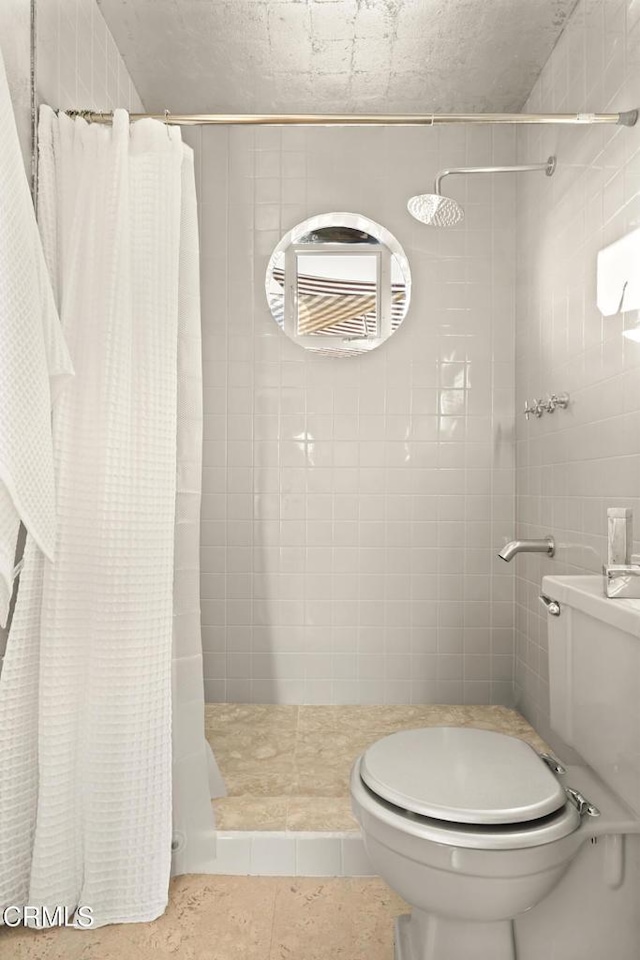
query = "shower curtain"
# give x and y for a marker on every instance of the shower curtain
(196, 776)
(86, 689)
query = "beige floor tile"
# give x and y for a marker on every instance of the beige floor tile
(323, 761)
(277, 781)
(397, 718)
(354, 720)
(47, 945)
(208, 918)
(346, 919)
(317, 779)
(319, 718)
(236, 918)
(243, 745)
(306, 753)
(254, 746)
(255, 714)
(356, 727)
(260, 756)
(503, 720)
(320, 813)
(251, 813)
(338, 747)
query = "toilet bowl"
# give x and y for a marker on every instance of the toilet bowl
(471, 828)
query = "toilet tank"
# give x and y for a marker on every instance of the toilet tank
(594, 679)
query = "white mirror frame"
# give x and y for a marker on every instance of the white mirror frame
(387, 248)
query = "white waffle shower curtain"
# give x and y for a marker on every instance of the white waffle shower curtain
(85, 694)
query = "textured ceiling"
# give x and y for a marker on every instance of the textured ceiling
(278, 56)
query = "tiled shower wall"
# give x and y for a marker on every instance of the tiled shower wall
(352, 508)
(78, 63)
(573, 465)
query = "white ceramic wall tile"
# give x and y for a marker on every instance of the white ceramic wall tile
(15, 46)
(77, 62)
(353, 508)
(282, 854)
(317, 859)
(573, 465)
(233, 854)
(273, 855)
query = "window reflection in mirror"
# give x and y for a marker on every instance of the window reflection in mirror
(338, 283)
(337, 296)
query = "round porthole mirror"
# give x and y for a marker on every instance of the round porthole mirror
(338, 284)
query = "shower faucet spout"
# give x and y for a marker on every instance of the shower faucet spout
(547, 545)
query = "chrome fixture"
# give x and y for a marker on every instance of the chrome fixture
(622, 581)
(509, 551)
(554, 765)
(538, 407)
(553, 607)
(581, 803)
(619, 535)
(535, 409)
(627, 118)
(557, 400)
(622, 569)
(436, 210)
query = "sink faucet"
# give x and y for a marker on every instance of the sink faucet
(509, 551)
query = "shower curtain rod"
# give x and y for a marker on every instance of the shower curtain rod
(626, 119)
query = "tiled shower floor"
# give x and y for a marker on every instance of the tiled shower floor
(287, 767)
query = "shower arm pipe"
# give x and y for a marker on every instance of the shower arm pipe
(548, 166)
(626, 119)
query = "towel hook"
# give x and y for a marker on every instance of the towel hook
(166, 122)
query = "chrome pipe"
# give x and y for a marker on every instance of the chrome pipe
(548, 166)
(547, 545)
(627, 118)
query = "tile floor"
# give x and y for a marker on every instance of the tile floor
(228, 918)
(287, 767)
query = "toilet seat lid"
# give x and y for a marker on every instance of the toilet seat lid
(462, 775)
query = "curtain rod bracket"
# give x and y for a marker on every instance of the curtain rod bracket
(628, 118)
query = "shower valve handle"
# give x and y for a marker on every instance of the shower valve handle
(557, 400)
(536, 408)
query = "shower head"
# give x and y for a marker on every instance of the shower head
(435, 210)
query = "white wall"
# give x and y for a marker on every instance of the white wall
(357, 567)
(78, 63)
(15, 47)
(575, 464)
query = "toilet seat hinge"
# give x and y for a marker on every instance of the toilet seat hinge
(580, 802)
(554, 765)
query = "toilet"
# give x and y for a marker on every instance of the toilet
(473, 827)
